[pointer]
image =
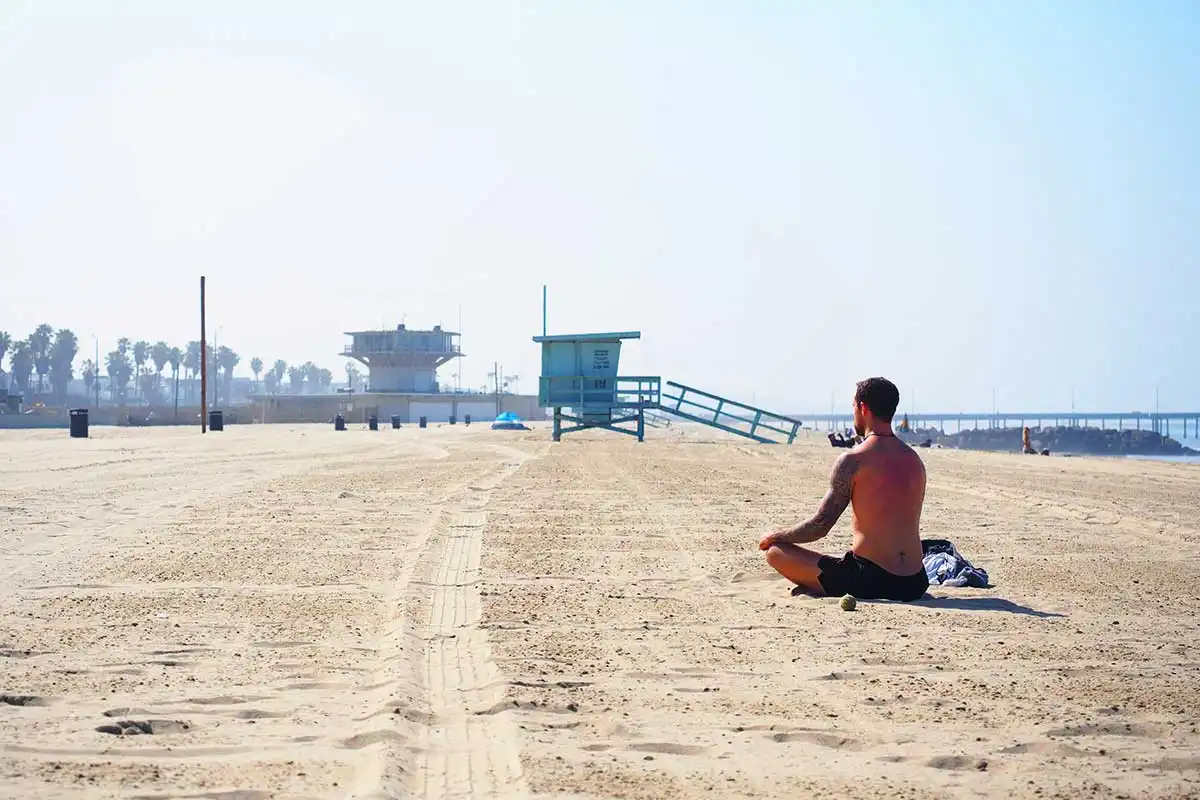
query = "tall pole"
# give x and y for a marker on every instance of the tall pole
(203, 366)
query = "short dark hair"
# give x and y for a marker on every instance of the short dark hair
(879, 395)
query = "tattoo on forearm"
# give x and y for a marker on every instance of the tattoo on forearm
(841, 483)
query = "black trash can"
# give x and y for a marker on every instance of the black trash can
(453, 420)
(339, 423)
(79, 423)
(422, 422)
(395, 421)
(373, 423)
(466, 419)
(216, 420)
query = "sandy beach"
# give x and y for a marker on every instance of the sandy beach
(289, 611)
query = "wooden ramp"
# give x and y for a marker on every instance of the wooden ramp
(727, 415)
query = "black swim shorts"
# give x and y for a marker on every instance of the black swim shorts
(867, 580)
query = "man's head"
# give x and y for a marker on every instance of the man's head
(875, 401)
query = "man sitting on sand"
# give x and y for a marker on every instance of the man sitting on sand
(884, 480)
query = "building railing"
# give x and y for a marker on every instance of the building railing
(351, 350)
(589, 391)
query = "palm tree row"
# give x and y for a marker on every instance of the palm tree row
(50, 355)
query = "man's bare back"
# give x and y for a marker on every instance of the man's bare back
(888, 492)
(884, 480)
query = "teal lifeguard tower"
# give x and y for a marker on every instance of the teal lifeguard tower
(579, 381)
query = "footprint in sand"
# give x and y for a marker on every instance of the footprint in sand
(668, 748)
(374, 737)
(1102, 729)
(1043, 748)
(830, 740)
(956, 763)
(150, 727)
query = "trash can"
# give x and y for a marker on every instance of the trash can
(79, 423)
(216, 421)
(373, 423)
(395, 421)
(422, 422)
(453, 419)
(339, 423)
(466, 419)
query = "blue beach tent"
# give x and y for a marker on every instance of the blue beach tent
(508, 421)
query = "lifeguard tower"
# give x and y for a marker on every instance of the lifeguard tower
(403, 360)
(579, 374)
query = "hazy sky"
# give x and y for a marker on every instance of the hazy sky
(782, 196)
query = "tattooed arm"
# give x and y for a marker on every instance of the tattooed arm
(841, 483)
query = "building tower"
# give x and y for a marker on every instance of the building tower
(403, 360)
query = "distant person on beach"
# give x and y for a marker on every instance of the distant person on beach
(883, 479)
(1026, 445)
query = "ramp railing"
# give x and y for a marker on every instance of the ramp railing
(728, 415)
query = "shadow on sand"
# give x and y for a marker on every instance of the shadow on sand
(982, 604)
(953, 603)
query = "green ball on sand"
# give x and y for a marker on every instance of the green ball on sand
(848, 603)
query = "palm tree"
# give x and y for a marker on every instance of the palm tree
(271, 382)
(123, 345)
(141, 350)
(325, 379)
(89, 375)
(5, 343)
(312, 376)
(21, 364)
(160, 354)
(280, 369)
(227, 359)
(175, 359)
(191, 363)
(352, 376)
(296, 377)
(62, 357)
(120, 370)
(256, 366)
(39, 343)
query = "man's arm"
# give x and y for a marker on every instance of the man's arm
(841, 482)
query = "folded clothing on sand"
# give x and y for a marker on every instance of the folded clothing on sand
(945, 566)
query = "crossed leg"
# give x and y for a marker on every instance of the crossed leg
(798, 565)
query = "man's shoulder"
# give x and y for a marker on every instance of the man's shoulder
(848, 463)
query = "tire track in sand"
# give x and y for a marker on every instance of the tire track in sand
(466, 750)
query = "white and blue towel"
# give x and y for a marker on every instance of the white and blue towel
(945, 566)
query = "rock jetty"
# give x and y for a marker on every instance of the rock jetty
(1062, 439)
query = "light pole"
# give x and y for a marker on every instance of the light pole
(216, 376)
(96, 369)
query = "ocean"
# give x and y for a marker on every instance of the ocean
(1192, 443)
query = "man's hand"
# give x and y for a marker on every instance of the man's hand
(772, 539)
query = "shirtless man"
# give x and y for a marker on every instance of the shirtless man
(884, 480)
